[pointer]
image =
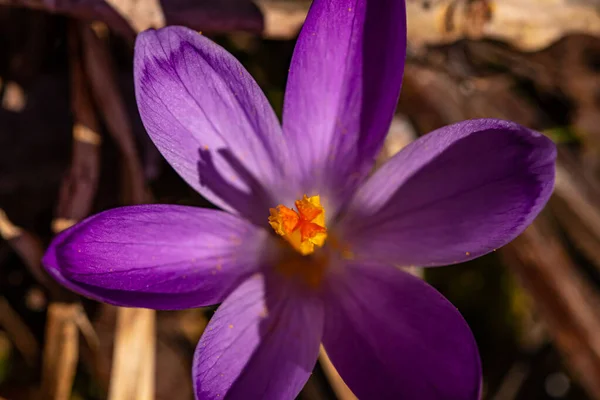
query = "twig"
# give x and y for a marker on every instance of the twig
(20, 334)
(79, 186)
(30, 250)
(105, 89)
(512, 382)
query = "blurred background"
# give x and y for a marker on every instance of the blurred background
(72, 144)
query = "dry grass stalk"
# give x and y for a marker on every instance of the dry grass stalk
(342, 391)
(400, 134)
(88, 332)
(19, 333)
(61, 351)
(132, 375)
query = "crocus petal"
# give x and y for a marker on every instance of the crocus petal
(342, 89)
(392, 336)
(209, 119)
(156, 256)
(454, 194)
(262, 343)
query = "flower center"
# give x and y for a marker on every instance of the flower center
(303, 229)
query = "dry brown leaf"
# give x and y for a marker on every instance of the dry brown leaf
(127, 17)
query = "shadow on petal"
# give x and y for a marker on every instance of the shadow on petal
(252, 203)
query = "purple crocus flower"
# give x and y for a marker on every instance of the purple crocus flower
(325, 271)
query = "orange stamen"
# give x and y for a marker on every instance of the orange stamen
(303, 229)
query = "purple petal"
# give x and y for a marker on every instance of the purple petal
(342, 89)
(156, 256)
(454, 194)
(209, 119)
(262, 343)
(392, 336)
